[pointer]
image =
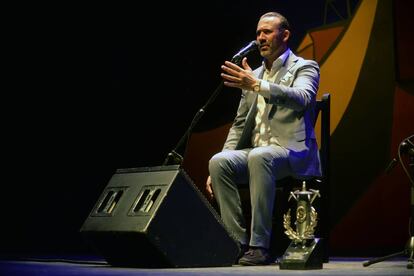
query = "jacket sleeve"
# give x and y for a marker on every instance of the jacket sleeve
(298, 87)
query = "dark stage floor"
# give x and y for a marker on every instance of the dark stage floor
(80, 265)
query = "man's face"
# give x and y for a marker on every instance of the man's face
(272, 40)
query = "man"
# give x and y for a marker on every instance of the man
(272, 135)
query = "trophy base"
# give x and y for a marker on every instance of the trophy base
(307, 256)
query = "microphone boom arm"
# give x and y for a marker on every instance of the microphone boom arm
(174, 158)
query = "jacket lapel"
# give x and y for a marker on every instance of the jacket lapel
(289, 63)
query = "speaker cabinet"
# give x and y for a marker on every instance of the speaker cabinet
(157, 217)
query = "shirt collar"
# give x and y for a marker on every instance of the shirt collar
(279, 62)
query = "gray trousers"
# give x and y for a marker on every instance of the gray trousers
(259, 168)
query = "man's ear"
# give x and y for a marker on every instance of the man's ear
(285, 35)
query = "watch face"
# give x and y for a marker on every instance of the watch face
(256, 87)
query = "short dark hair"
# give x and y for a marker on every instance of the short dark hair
(284, 23)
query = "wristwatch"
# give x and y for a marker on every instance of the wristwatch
(256, 86)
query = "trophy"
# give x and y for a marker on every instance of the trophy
(304, 251)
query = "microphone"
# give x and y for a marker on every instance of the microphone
(252, 46)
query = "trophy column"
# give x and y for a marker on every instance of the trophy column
(305, 251)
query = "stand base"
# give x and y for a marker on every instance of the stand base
(308, 256)
(409, 250)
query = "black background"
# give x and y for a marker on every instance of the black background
(95, 88)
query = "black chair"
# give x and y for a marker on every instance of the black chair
(323, 109)
(280, 241)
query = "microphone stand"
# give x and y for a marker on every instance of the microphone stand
(173, 157)
(406, 146)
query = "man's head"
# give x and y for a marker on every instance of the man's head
(272, 34)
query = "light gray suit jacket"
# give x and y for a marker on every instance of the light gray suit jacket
(293, 100)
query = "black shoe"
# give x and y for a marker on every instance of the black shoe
(256, 256)
(243, 250)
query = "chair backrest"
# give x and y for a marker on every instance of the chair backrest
(323, 109)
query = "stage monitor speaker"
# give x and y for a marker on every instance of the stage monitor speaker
(157, 217)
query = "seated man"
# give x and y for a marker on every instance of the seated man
(272, 135)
